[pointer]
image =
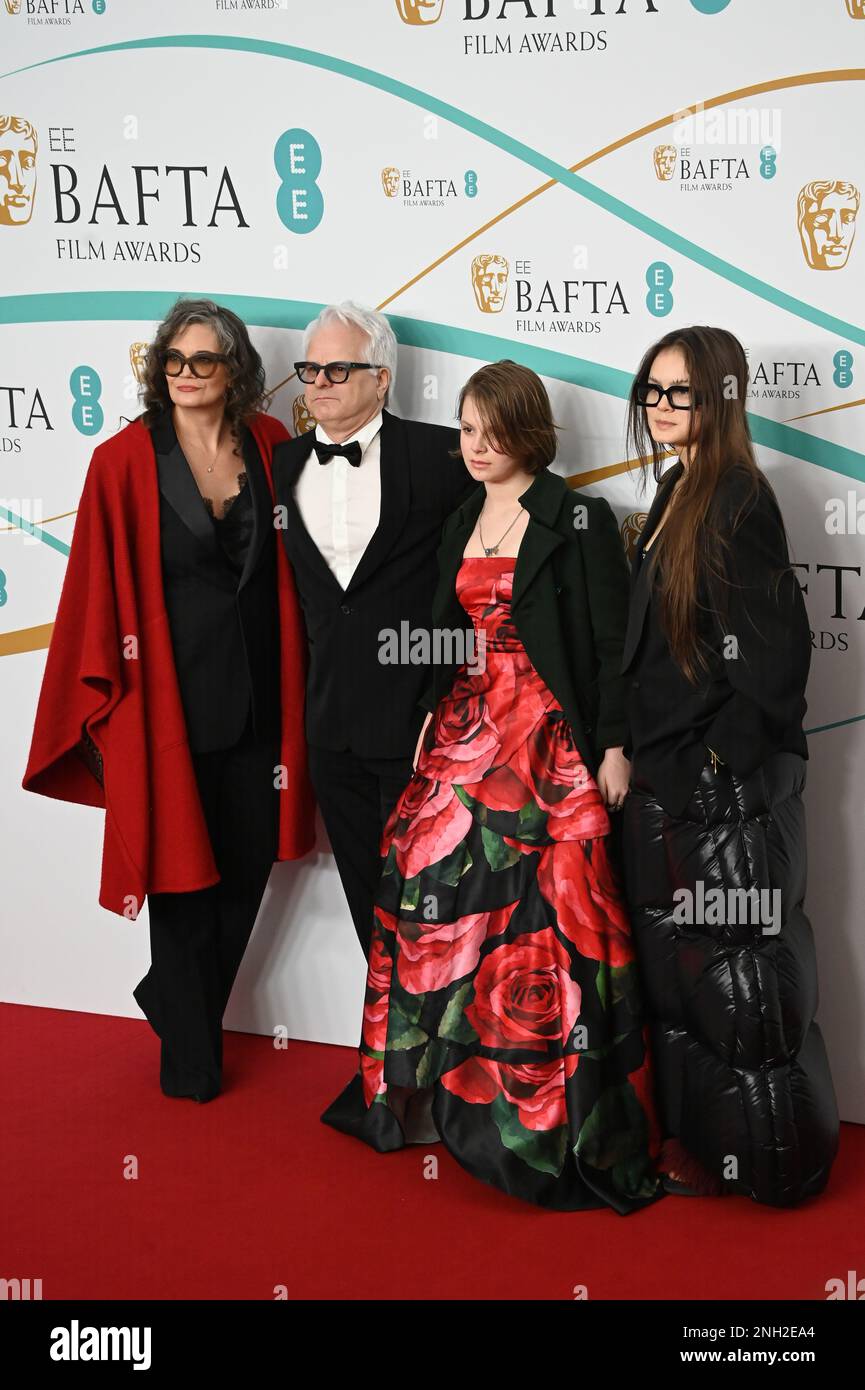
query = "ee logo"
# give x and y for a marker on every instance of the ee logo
(843, 364)
(3, 593)
(659, 278)
(768, 165)
(299, 203)
(86, 388)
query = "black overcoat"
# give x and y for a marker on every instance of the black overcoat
(569, 605)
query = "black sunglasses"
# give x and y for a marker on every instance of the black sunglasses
(680, 397)
(336, 372)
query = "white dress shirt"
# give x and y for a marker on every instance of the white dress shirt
(339, 504)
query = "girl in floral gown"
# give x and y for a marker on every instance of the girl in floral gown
(502, 1010)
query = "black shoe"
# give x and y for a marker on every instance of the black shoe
(202, 1095)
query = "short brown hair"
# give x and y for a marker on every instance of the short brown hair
(244, 396)
(515, 408)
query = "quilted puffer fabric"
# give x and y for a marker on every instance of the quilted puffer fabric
(731, 983)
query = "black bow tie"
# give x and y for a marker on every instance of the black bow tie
(352, 451)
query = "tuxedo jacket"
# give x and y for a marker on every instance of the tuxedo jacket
(224, 627)
(750, 703)
(355, 699)
(569, 605)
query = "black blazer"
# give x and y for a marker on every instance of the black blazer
(224, 629)
(569, 606)
(749, 705)
(353, 699)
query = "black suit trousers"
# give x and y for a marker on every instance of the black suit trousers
(197, 939)
(356, 795)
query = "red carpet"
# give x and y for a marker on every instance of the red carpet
(251, 1191)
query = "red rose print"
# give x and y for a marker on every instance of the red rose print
(597, 925)
(500, 790)
(439, 825)
(538, 1090)
(434, 954)
(562, 784)
(475, 1080)
(524, 995)
(375, 1012)
(465, 738)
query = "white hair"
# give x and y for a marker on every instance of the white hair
(381, 339)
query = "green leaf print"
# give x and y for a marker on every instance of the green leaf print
(531, 821)
(454, 1025)
(429, 1068)
(451, 869)
(412, 1037)
(410, 894)
(602, 983)
(540, 1149)
(498, 854)
(616, 1130)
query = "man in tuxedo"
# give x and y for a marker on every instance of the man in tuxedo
(362, 500)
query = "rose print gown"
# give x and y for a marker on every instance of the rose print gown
(502, 972)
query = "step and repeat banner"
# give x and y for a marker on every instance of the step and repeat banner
(560, 182)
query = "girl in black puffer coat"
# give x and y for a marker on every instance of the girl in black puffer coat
(717, 654)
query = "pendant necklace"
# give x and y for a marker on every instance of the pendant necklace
(494, 549)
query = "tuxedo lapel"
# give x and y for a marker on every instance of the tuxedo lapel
(178, 486)
(641, 588)
(395, 498)
(262, 506)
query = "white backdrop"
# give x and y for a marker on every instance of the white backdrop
(619, 172)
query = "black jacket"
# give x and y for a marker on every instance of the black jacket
(569, 605)
(748, 705)
(354, 700)
(224, 627)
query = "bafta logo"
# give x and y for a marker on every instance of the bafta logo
(138, 360)
(13, 6)
(826, 215)
(420, 11)
(18, 147)
(490, 282)
(303, 421)
(390, 181)
(665, 157)
(856, 9)
(631, 528)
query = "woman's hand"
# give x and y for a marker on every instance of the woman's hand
(419, 743)
(613, 778)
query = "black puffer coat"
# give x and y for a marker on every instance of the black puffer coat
(730, 981)
(740, 1064)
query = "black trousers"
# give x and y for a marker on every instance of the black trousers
(356, 795)
(197, 940)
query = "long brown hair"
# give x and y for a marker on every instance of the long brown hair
(691, 551)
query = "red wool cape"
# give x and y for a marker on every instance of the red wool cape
(156, 839)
